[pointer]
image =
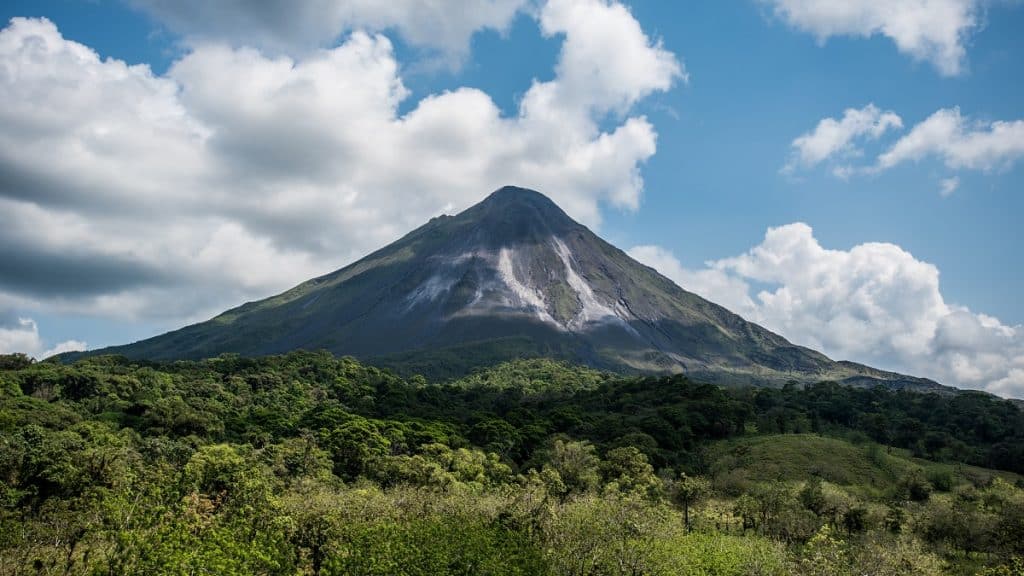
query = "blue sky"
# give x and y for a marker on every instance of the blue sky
(876, 265)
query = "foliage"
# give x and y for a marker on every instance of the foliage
(688, 491)
(308, 464)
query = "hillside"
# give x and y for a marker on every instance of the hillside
(511, 277)
(867, 467)
(307, 464)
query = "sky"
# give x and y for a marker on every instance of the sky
(848, 174)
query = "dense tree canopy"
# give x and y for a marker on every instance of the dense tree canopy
(304, 463)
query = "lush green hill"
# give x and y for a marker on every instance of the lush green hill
(868, 467)
(308, 464)
(800, 457)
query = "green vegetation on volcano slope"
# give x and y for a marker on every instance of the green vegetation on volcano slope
(307, 464)
(866, 468)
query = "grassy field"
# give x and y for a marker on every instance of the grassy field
(869, 469)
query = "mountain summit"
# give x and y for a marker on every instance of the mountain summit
(511, 276)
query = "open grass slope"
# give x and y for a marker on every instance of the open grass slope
(799, 457)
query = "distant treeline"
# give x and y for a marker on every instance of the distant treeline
(510, 409)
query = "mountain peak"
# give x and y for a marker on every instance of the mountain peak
(516, 198)
(516, 194)
(511, 215)
(509, 277)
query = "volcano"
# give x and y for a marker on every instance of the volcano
(510, 277)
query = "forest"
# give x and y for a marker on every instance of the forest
(309, 464)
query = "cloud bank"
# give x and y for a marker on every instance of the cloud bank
(241, 172)
(874, 303)
(296, 28)
(935, 31)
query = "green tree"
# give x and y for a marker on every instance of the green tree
(494, 435)
(15, 361)
(687, 491)
(577, 465)
(627, 470)
(354, 446)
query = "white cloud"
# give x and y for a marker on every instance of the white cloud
(62, 347)
(238, 174)
(607, 62)
(833, 137)
(948, 185)
(874, 303)
(23, 336)
(931, 30)
(716, 285)
(959, 143)
(295, 28)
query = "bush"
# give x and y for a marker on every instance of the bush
(432, 546)
(914, 486)
(941, 479)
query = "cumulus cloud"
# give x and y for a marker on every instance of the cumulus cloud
(947, 136)
(874, 303)
(237, 173)
(928, 30)
(959, 143)
(294, 28)
(22, 335)
(832, 137)
(607, 62)
(711, 283)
